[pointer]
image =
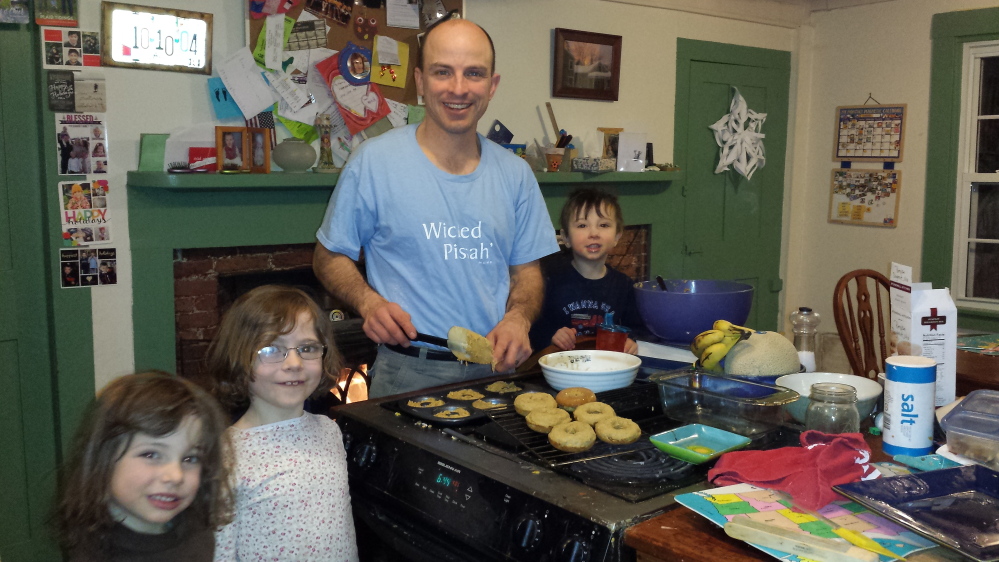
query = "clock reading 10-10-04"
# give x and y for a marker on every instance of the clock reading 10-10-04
(156, 38)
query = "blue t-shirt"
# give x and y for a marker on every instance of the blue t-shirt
(438, 244)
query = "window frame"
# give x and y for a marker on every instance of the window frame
(950, 32)
(967, 176)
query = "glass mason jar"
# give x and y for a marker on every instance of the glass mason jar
(832, 408)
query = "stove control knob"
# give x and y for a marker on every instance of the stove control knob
(527, 533)
(573, 549)
(365, 454)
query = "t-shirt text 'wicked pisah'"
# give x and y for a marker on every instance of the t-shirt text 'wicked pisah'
(459, 242)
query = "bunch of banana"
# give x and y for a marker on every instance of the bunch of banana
(712, 345)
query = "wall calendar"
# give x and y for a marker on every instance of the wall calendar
(869, 133)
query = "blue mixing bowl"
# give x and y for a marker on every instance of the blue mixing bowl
(691, 306)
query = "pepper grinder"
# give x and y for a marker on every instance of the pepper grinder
(805, 325)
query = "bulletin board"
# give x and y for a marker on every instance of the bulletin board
(338, 35)
(865, 197)
(869, 133)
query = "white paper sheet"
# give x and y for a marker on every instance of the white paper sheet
(398, 113)
(274, 28)
(400, 13)
(245, 83)
(387, 50)
(290, 92)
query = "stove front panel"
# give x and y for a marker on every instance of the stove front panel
(456, 503)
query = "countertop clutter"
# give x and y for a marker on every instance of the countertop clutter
(680, 534)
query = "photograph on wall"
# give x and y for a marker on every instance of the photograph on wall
(15, 11)
(865, 197)
(66, 48)
(68, 94)
(88, 267)
(82, 146)
(69, 268)
(64, 13)
(84, 208)
(872, 133)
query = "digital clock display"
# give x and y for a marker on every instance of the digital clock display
(156, 39)
(446, 481)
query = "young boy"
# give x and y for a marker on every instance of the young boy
(580, 293)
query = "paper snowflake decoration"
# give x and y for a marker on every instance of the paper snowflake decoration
(738, 134)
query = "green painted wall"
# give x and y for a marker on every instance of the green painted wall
(950, 32)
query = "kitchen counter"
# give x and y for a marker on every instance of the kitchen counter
(681, 535)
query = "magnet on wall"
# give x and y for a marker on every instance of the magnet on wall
(499, 134)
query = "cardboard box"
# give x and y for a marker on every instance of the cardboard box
(924, 322)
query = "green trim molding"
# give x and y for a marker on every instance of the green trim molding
(950, 32)
(180, 211)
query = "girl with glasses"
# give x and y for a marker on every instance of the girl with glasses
(274, 349)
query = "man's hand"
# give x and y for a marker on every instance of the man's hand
(565, 338)
(511, 344)
(386, 322)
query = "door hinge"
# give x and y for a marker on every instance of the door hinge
(776, 285)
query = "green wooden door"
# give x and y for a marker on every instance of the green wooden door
(28, 449)
(732, 226)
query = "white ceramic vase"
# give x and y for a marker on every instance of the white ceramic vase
(294, 155)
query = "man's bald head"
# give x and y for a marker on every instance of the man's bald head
(439, 31)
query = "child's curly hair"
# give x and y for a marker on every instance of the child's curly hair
(155, 403)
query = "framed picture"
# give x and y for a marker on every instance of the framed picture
(232, 149)
(869, 133)
(611, 136)
(260, 150)
(587, 65)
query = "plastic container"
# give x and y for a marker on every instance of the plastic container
(832, 408)
(805, 325)
(972, 428)
(697, 443)
(909, 412)
(740, 406)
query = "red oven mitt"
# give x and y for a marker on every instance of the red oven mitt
(808, 472)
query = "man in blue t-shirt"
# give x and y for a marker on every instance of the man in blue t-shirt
(451, 224)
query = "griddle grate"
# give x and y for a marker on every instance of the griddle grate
(633, 399)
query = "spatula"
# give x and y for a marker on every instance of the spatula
(465, 344)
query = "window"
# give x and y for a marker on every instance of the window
(975, 274)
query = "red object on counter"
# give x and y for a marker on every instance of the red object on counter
(611, 340)
(808, 472)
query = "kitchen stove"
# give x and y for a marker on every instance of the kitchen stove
(477, 493)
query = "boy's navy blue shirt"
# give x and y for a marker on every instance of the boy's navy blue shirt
(573, 300)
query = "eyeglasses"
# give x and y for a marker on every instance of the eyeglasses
(278, 353)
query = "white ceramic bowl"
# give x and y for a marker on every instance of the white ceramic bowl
(593, 369)
(868, 391)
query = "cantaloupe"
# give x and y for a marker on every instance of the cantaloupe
(764, 354)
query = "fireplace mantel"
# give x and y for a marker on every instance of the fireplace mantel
(173, 211)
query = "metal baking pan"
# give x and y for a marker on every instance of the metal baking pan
(444, 403)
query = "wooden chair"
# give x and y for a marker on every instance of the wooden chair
(860, 319)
